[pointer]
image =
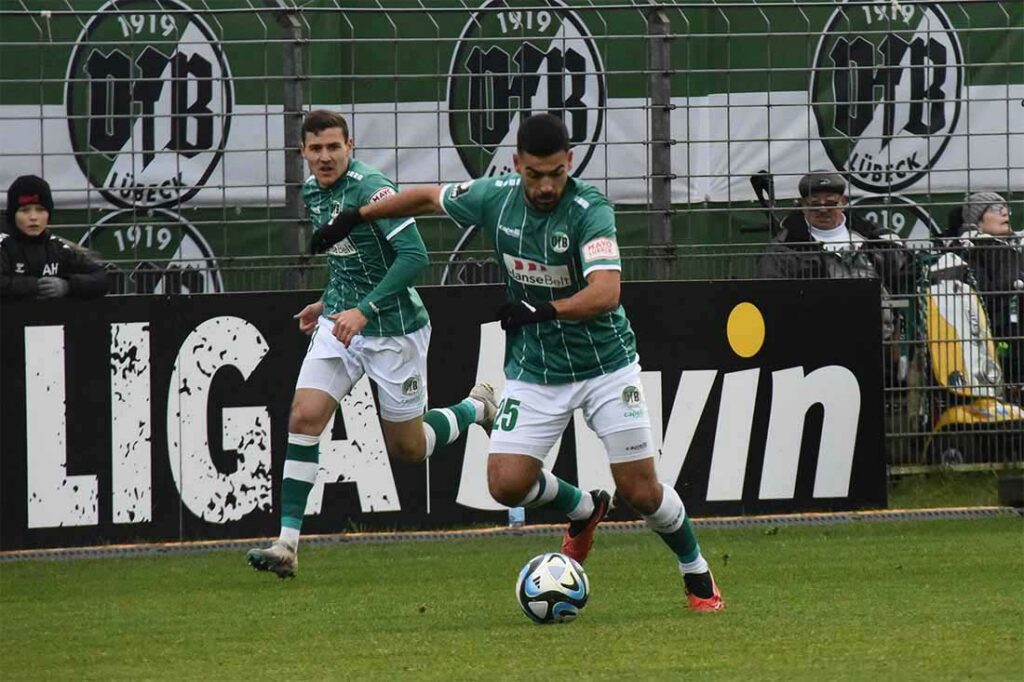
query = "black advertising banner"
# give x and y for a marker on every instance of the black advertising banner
(156, 418)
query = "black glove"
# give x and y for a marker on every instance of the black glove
(336, 229)
(515, 314)
(53, 287)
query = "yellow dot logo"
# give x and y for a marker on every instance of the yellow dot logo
(745, 330)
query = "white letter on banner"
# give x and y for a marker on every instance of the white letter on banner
(732, 435)
(838, 391)
(361, 459)
(54, 498)
(209, 494)
(691, 398)
(130, 427)
(473, 490)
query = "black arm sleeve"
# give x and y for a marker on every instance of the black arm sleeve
(87, 276)
(12, 285)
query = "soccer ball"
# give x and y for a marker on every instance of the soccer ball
(552, 588)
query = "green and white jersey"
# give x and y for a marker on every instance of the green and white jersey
(547, 256)
(359, 262)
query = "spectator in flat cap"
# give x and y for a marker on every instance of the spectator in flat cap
(821, 242)
(823, 182)
(995, 254)
(35, 263)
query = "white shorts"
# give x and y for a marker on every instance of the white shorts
(397, 364)
(531, 416)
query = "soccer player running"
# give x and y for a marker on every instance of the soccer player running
(369, 320)
(568, 345)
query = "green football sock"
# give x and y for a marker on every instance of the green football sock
(300, 469)
(683, 542)
(552, 492)
(444, 425)
(672, 524)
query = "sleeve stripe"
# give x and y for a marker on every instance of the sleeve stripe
(401, 227)
(444, 191)
(602, 266)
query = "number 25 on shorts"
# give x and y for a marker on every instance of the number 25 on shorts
(508, 413)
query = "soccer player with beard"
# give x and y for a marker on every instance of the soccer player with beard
(569, 344)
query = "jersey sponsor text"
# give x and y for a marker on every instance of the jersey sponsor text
(602, 248)
(530, 272)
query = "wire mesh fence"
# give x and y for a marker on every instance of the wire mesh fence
(169, 131)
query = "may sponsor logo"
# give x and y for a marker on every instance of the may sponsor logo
(148, 96)
(886, 89)
(381, 194)
(602, 248)
(512, 60)
(532, 273)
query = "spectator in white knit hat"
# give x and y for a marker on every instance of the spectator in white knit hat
(987, 213)
(995, 254)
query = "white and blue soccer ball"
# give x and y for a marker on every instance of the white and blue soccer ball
(552, 588)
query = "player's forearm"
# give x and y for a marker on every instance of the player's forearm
(592, 300)
(414, 201)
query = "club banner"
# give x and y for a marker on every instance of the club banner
(166, 103)
(162, 418)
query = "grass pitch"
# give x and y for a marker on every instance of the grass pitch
(896, 600)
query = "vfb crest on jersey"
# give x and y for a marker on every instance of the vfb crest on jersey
(886, 89)
(148, 96)
(513, 60)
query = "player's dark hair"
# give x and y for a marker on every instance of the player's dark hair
(320, 120)
(542, 135)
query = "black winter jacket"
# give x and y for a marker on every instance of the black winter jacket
(24, 259)
(998, 267)
(793, 254)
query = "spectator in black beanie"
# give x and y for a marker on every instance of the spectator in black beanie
(35, 263)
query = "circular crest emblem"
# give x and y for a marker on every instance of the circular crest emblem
(411, 386)
(631, 396)
(514, 60)
(148, 96)
(559, 242)
(903, 216)
(165, 253)
(886, 89)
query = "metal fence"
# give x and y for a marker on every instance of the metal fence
(169, 131)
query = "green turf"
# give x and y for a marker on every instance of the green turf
(912, 600)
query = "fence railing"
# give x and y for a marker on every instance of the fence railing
(952, 352)
(169, 131)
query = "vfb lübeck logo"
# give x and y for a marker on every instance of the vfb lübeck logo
(886, 89)
(513, 60)
(148, 96)
(155, 251)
